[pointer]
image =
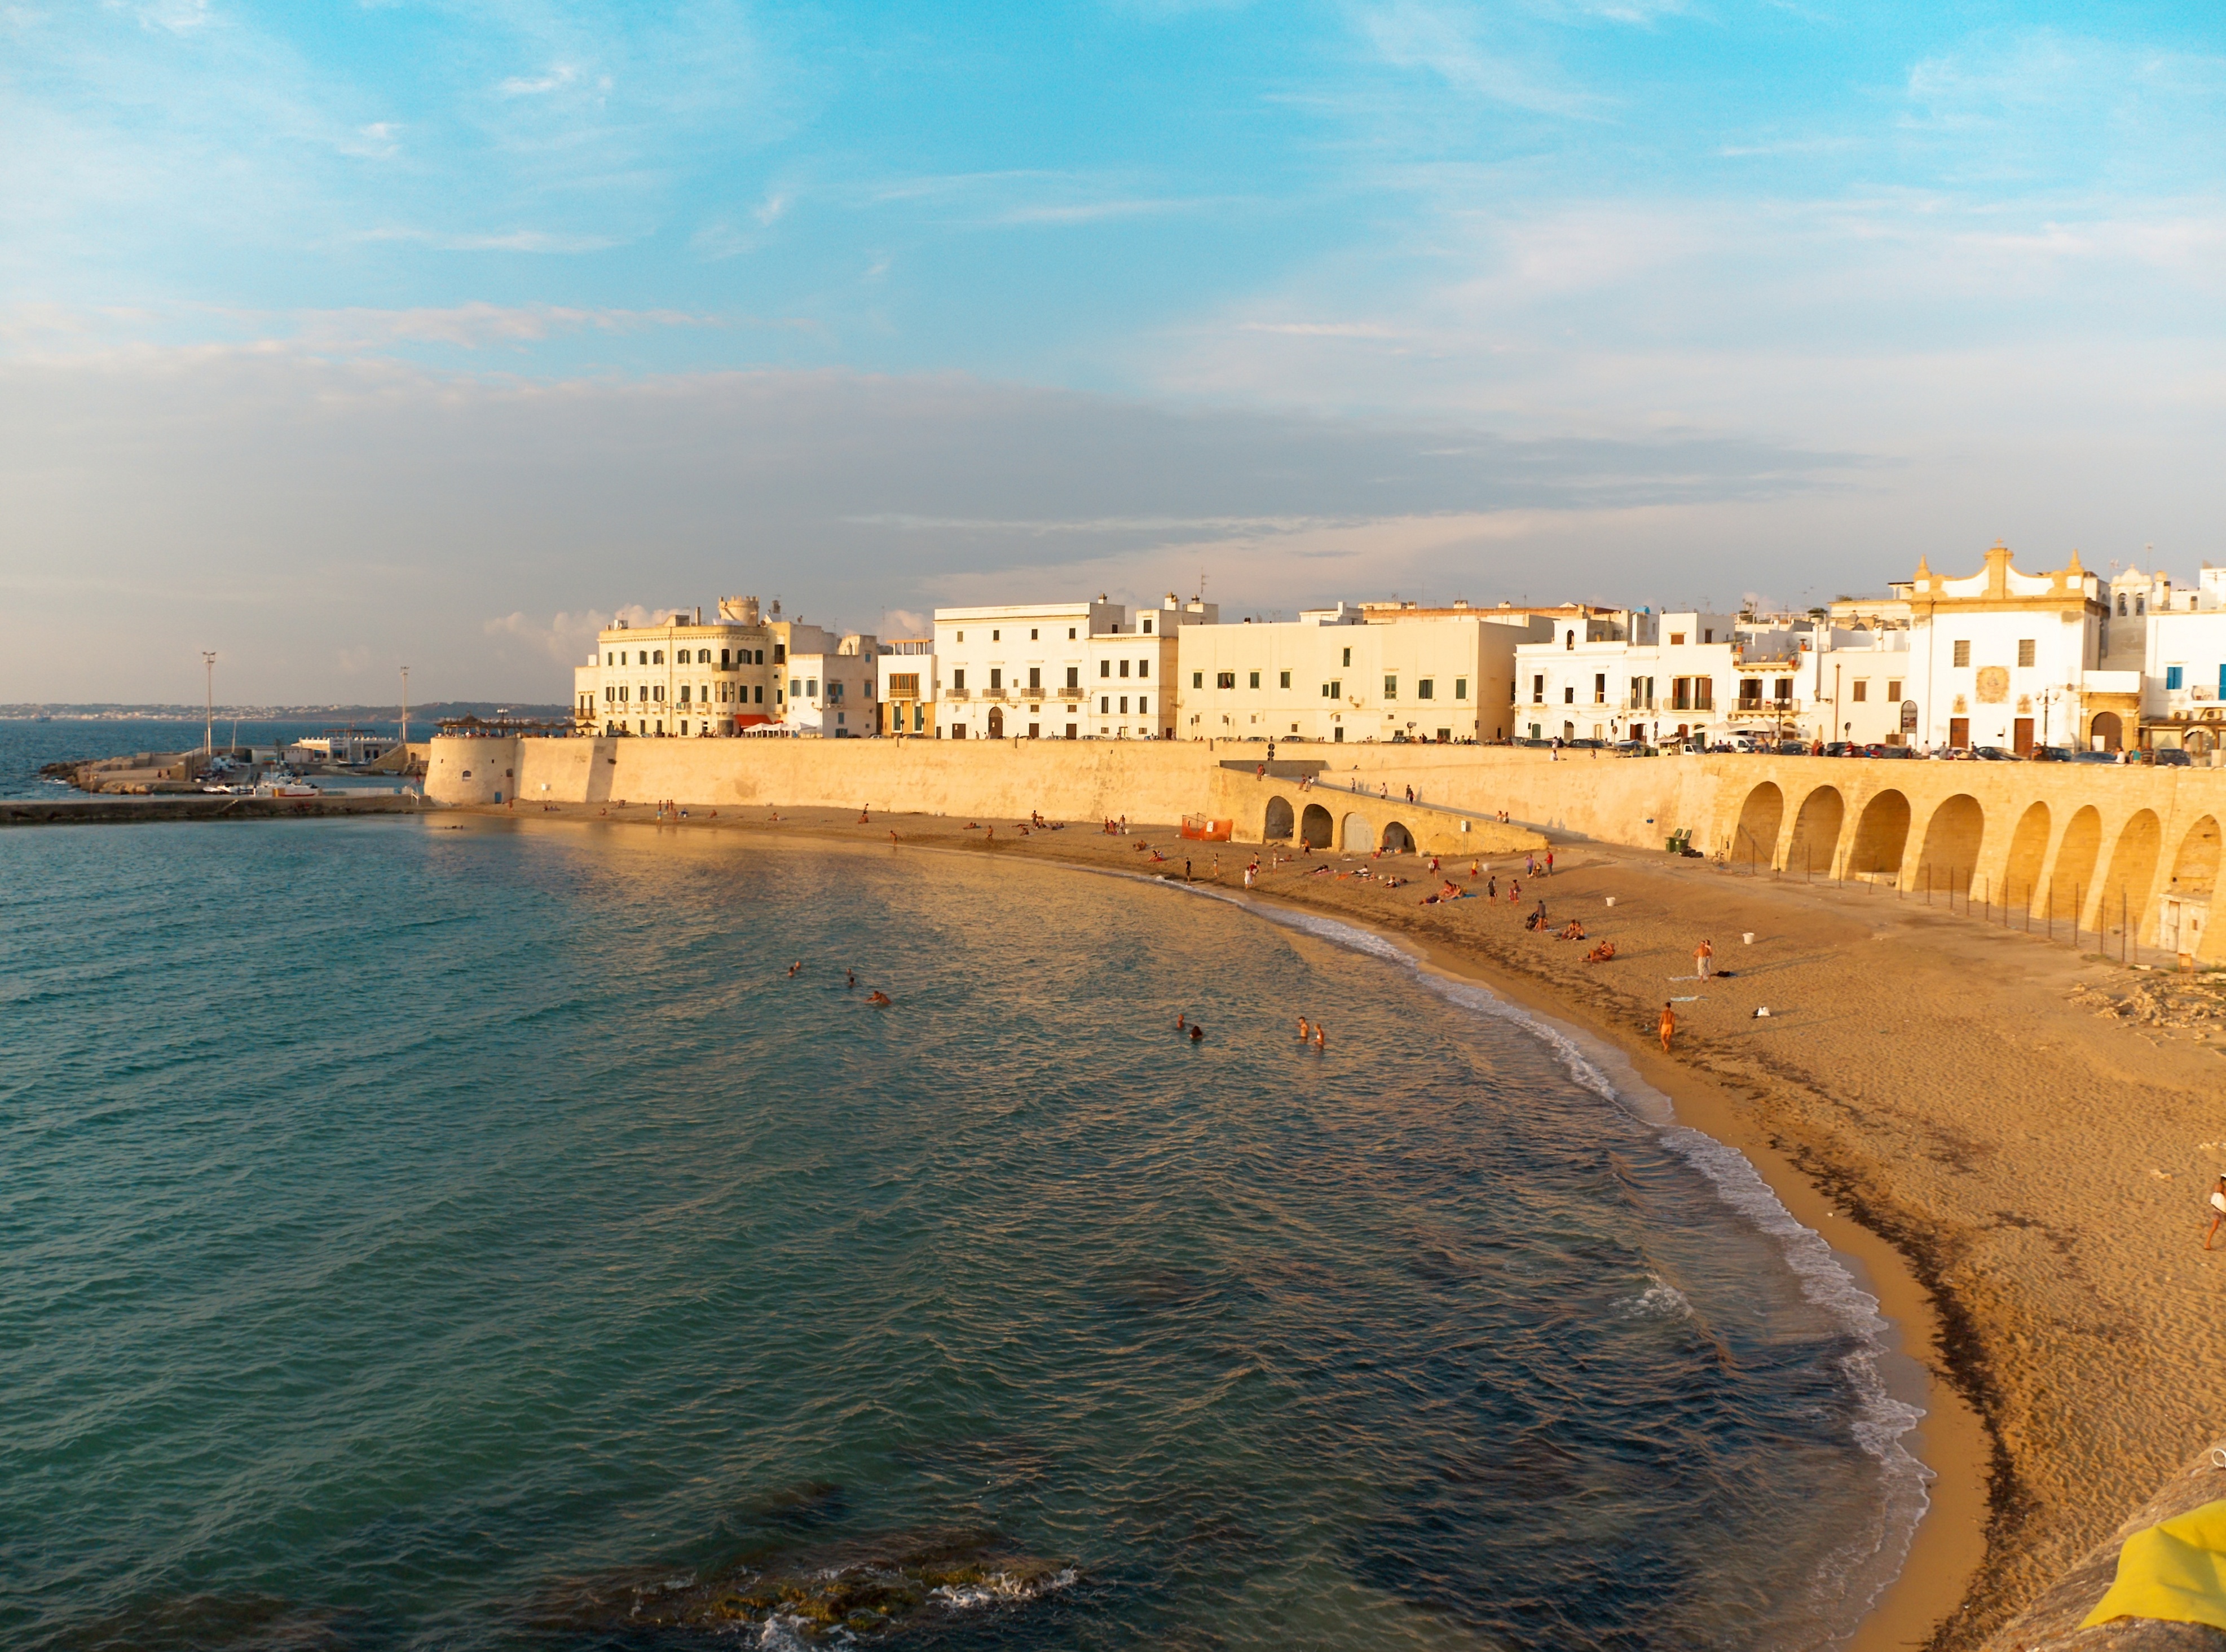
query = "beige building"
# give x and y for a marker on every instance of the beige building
(1349, 674)
(906, 675)
(745, 671)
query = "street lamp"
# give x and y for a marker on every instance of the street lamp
(208, 703)
(406, 716)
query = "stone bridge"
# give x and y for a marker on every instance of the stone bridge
(2097, 845)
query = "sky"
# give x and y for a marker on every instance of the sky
(337, 337)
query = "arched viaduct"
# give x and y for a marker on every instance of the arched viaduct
(2089, 842)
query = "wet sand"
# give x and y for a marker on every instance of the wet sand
(1967, 1110)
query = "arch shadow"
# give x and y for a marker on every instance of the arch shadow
(2072, 883)
(2125, 891)
(1360, 836)
(1397, 840)
(1754, 840)
(2186, 914)
(1816, 831)
(1277, 824)
(2028, 850)
(1315, 826)
(1880, 836)
(1952, 834)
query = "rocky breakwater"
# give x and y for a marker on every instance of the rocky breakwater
(138, 775)
(841, 1590)
(2052, 1623)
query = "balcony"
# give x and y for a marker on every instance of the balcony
(957, 694)
(1767, 710)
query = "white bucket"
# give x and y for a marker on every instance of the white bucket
(1611, 900)
(1748, 938)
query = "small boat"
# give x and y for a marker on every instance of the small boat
(287, 787)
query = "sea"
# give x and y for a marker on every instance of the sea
(473, 1233)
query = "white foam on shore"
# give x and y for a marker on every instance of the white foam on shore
(1881, 1422)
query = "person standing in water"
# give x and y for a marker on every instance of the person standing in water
(1302, 1029)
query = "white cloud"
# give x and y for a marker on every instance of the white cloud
(559, 76)
(1445, 42)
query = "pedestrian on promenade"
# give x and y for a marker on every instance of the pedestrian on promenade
(2217, 1211)
(1668, 1027)
(1529, 866)
(1703, 957)
(1549, 863)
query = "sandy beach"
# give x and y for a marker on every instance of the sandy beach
(2014, 1139)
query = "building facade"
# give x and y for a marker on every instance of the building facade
(1073, 670)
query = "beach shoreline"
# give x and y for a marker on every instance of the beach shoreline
(1972, 1155)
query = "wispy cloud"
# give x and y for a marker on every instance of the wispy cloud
(1448, 42)
(547, 241)
(558, 77)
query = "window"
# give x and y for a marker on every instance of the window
(834, 692)
(1074, 677)
(1124, 668)
(1070, 633)
(657, 659)
(1708, 636)
(781, 653)
(1148, 631)
(1538, 689)
(1784, 688)
(1224, 679)
(1677, 639)
(958, 681)
(1862, 689)
(1390, 688)
(684, 694)
(1035, 678)
(811, 688)
(997, 636)
(1143, 668)
(1124, 705)
(1425, 688)
(1569, 695)
(2140, 603)
(1104, 704)
(1461, 688)
(962, 636)
(758, 698)
(1600, 688)
(1963, 652)
(1197, 679)
(2025, 651)
(1286, 680)
(2122, 605)
(1032, 633)
(997, 678)
(722, 659)
(1105, 668)
(1143, 704)
(2173, 675)
(1256, 680)
(1348, 658)
(1893, 688)
(703, 657)
(1704, 693)
(1569, 641)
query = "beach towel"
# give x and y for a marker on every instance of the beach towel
(2175, 1571)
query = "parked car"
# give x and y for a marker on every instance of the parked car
(1889, 751)
(1993, 755)
(2170, 757)
(1793, 748)
(2097, 757)
(1842, 748)
(2051, 754)
(1584, 745)
(1631, 748)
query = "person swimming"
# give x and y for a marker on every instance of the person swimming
(877, 997)
(1179, 1022)
(794, 967)
(1196, 1031)
(850, 980)
(1302, 1029)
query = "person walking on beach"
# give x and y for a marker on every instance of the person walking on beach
(1703, 956)
(1549, 863)
(1668, 1025)
(2217, 1211)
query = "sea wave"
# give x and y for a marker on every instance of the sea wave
(1880, 1422)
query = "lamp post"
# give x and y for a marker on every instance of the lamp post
(406, 716)
(208, 703)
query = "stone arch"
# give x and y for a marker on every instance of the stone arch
(1397, 840)
(1360, 836)
(1880, 836)
(997, 722)
(1754, 838)
(2028, 851)
(2073, 880)
(2133, 870)
(1315, 826)
(2106, 729)
(2195, 870)
(1952, 837)
(1817, 830)
(1277, 824)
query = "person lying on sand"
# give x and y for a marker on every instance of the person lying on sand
(1604, 953)
(1572, 931)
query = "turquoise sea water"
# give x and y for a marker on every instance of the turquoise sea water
(425, 1234)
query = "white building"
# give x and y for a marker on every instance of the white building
(345, 747)
(907, 667)
(2183, 667)
(1068, 671)
(832, 682)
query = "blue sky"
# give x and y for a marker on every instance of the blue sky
(458, 329)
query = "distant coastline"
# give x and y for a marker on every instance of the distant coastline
(430, 713)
